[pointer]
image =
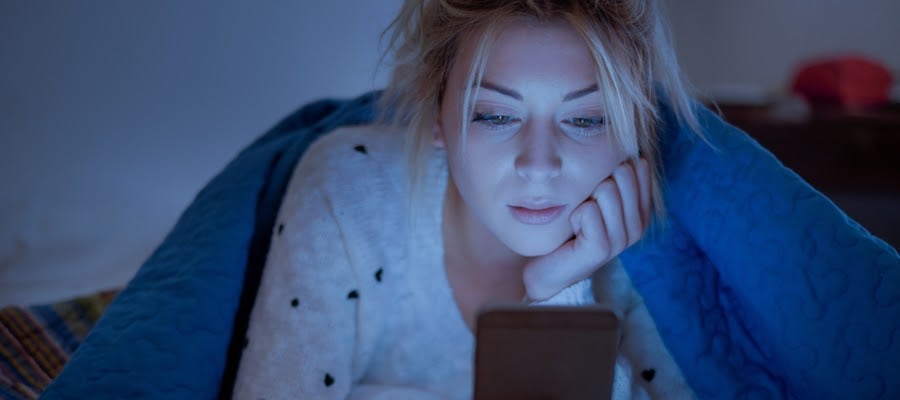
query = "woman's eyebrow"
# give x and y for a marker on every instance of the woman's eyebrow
(502, 90)
(516, 95)
(580, 93)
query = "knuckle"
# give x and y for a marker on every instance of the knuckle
(634, 238)
(619, 245)
(624, 171)
(606, 192)
(603, 251)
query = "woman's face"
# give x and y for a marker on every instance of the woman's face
(537, 142)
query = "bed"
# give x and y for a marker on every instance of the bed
(761, 287)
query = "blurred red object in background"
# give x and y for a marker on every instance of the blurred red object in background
(847, 81)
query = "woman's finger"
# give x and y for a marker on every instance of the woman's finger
(610, 203)
(592, 242)
(643, 174)
(627, 183)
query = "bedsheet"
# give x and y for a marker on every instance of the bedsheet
(36, 341)
(759, 285)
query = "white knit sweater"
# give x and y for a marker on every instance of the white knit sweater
(354, 301)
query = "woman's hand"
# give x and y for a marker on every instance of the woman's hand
(612, 219)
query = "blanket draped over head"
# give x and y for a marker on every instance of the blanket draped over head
(758, 284)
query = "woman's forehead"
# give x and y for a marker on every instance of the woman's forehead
(524, 53)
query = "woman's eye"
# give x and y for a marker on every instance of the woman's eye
(586, 122)
(495, 120)
(585, 126)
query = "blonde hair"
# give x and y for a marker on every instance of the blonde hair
(628, 40)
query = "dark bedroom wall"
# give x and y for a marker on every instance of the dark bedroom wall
(748, 49)
(114, 114)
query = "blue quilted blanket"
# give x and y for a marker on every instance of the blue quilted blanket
(760, 286)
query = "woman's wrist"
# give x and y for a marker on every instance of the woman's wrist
(579, 293)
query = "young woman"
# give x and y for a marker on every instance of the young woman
(520, 160)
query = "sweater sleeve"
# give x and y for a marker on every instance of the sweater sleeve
(578, 294)
(644, 368)
(582, 293)
(654, 372)
(386, 392)
(304, 338)
(301, 339)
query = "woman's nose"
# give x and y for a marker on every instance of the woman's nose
(538, 159)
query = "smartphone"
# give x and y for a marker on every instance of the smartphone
(545, 352)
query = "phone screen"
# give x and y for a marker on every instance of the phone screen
(544, 352)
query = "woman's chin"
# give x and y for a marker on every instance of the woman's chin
(535, 246)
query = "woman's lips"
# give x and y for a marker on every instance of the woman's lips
(536, 216)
